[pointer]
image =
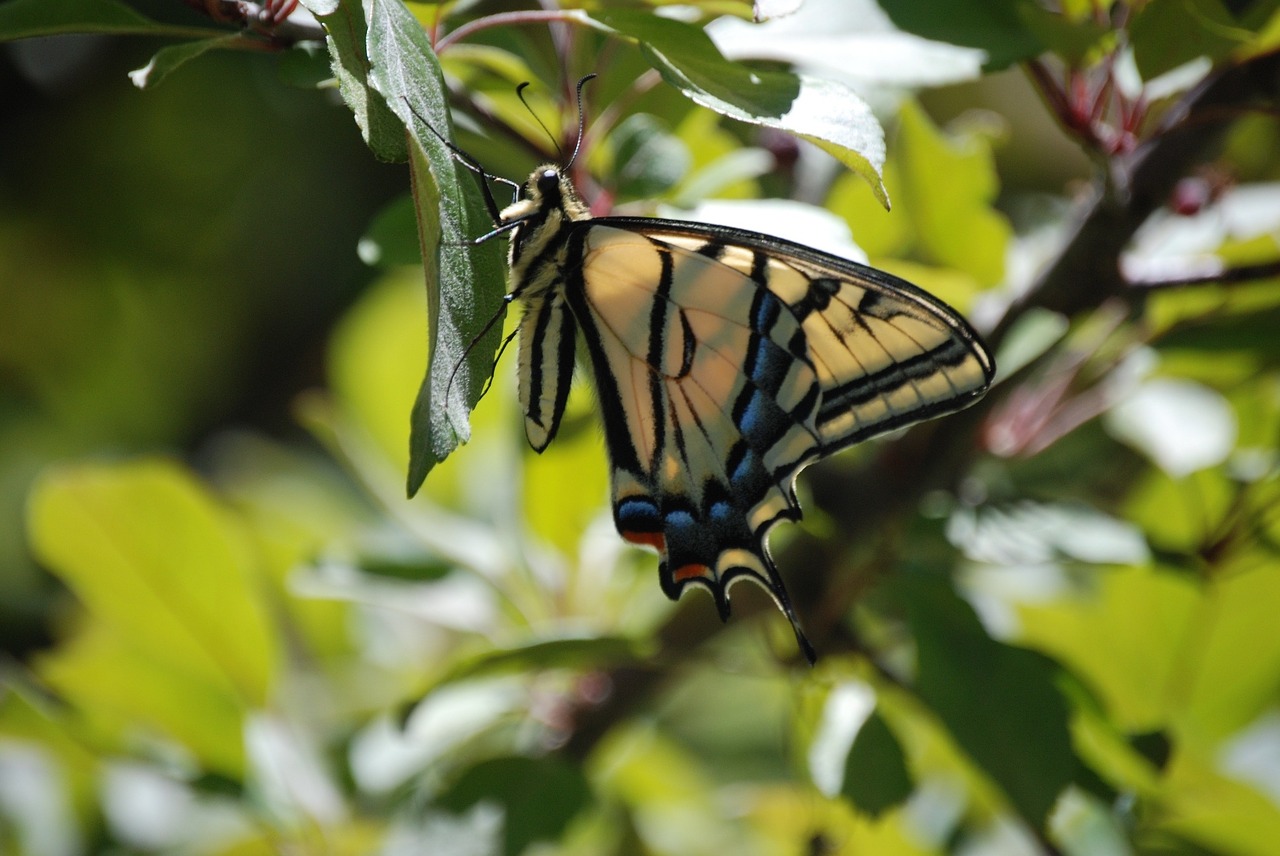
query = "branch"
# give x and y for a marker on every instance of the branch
(278, 20)
(1212, 272)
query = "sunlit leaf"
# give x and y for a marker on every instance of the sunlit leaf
(948, 190)
(1123, 640)
(766, 9)
(879, 232)
(849, 38)
(147, 551)
(827, 113)
(376, 359)
(1181, 515)
(117, 687)
(1180, 425)
(1237, 653)
(1219, 813)
(566, 487)
(796, 821)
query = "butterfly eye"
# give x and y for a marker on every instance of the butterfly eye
(549, 182)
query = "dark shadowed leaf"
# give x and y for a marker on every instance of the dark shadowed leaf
(1000, 703)
(875, 771)
(1008, 30)
(1163, 37)
(22, 19)
(539, 797)
(392, 238)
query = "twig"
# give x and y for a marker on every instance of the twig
(1221, 275)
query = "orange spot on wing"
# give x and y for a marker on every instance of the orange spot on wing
(689, 572)
(646, 539)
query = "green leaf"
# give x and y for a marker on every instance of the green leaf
(826, 113)
(996, 26)
(347, 30)
(1124, 640)
(1237, 652)
(306, 66)
(1168, 33)
(148, 552)
(392, 238)
(375, 359)
(465, 283)
(560, 510)
(22, 19)
(539, 795)
(117, 688)
(595, 653)
(169, 59)
(649, 159)
(949, 186)
(1001, 703)
(1181, 515)
(875, 772)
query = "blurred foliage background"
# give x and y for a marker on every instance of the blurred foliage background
(1046, 625)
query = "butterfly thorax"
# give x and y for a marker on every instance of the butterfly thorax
(548, 202)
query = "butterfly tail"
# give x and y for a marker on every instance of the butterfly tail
(779, 592)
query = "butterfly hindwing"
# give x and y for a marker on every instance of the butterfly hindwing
(708, 403)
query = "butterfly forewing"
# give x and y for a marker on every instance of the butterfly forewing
(886, 353)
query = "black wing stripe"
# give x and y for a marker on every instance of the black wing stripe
(622, 450)
(839, 399)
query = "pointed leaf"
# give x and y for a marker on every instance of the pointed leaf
(465, 283)
(169, 59)
(344, 22)
(875, 773)
(826, 113)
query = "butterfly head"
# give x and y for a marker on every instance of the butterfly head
(547, 200)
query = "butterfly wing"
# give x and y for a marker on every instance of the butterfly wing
(726, 361)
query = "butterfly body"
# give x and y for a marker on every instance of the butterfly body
(724, 362)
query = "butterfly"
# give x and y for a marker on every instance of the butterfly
(724, 362)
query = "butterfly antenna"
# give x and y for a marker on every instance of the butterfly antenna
(490, 204)
(550, 136)
(582, 122)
